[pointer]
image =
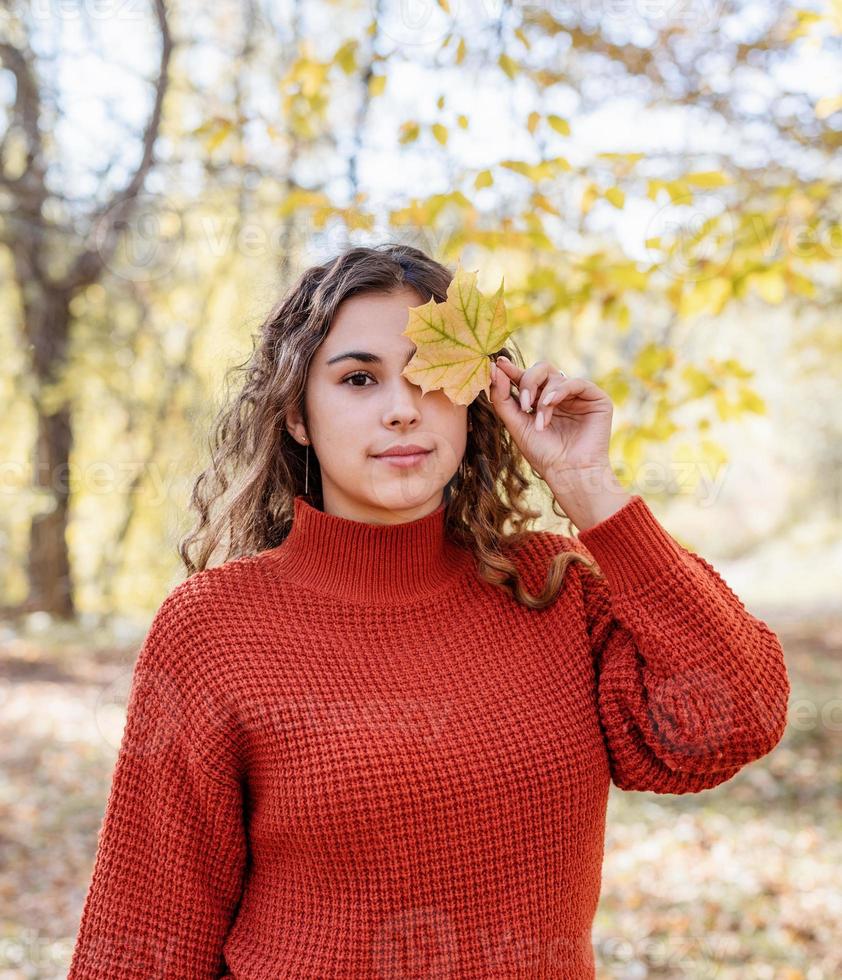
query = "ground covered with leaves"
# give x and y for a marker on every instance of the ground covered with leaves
(741, 881)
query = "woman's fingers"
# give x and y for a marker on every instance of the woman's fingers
(556, 392)
(529, 381)
(502, 400)
(540, 379)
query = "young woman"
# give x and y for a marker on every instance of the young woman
(376, 741)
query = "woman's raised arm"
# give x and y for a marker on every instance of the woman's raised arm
(691, 686)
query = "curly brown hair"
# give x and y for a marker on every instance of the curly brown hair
(257, 463)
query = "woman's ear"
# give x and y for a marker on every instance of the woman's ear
(295, 427)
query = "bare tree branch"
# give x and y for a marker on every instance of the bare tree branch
(88, 264)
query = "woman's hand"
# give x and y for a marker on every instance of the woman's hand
(565, 439)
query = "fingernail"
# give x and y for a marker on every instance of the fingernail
(545, 400)
(525, 399)
(539, 421)
(493, 371)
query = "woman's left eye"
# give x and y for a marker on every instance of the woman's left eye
(357, 374)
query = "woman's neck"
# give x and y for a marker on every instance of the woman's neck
(365, 562)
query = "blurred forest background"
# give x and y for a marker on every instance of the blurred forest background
(659, 182)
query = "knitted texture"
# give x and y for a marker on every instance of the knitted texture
(350, 757)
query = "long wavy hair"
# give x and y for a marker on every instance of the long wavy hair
(245, 497)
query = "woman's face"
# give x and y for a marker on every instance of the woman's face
(359, 405)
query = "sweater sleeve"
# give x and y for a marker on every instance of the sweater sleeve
(691, 686)
(171, 851)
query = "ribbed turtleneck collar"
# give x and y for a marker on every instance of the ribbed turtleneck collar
(367, 562)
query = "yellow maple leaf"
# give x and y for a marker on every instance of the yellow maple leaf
(455, 338)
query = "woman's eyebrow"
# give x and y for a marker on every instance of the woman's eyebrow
(365, 356)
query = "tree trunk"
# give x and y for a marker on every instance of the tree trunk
(50, 586)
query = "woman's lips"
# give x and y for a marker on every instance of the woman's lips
(404, 461)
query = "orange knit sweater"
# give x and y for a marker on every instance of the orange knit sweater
(350, 757)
